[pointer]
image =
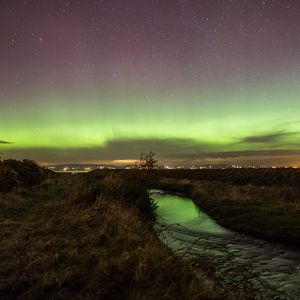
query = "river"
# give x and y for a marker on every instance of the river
(270, 269)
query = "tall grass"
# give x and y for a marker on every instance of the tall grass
(112, 187)
(270, 212)
(15, 173)
(91, 237)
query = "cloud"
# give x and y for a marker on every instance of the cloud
(271, 138)
(234, 154)
(5, 142)
(169, 151)
(249, 157)
(126, 149)
(164, 147)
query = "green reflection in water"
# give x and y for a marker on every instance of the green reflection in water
(176, 209)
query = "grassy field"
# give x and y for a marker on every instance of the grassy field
(87, 237)
(269, 212)
(259, 177)
(91, 236)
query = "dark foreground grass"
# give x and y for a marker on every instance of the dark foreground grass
(268, 212)
(86, 237)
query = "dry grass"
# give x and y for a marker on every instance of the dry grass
(270, 212)
(250, 193)
(71, 241)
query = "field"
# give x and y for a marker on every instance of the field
(91, 236)
(88, 236)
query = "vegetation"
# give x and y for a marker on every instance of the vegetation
(15, 173)
(269, 212)
(89, 237)
(147, 161)
(264, 176)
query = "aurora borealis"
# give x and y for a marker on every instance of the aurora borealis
(196, 82)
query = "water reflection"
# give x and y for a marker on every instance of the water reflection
(184, 228)
(186, 213)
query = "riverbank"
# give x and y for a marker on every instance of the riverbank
(90, 236)
(270, 270)
(267, 212)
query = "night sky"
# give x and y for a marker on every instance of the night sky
(196, 81)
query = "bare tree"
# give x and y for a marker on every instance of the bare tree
(147, 161)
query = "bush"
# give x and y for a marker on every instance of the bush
(116, 187)
(8, 179)
(23, 173)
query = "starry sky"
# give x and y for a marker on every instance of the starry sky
(197, 82)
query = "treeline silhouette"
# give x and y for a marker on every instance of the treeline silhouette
(262, 176)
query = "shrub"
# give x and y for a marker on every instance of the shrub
(116, 187)
(24, 173)
(8, 179)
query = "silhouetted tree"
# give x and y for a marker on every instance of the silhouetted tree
(147, 160)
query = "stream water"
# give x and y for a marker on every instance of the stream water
(271, 269)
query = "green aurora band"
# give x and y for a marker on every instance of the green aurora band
(257, 118)
(197, 82)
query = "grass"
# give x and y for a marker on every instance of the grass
(269, 212)
(259, 177)
(91, 237)
(14, 173)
